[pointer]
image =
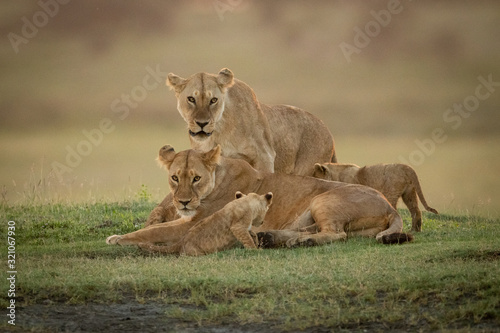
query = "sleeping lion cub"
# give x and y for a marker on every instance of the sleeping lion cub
(392, 180)
(223, 229)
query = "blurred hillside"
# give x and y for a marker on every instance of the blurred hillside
(413, 61)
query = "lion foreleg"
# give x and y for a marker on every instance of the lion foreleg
(277, 238)
(243, 235)
(162, 233)
(316, 239)
(164, 212)
(166, 249)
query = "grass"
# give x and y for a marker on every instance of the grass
(446, 279)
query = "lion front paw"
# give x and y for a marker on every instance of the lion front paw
(300, 241)
(113, 240)
(265, 240)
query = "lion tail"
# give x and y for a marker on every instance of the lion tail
(394, 234)
(411, 174)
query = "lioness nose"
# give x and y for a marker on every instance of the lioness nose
(184, 203)
(202, 124)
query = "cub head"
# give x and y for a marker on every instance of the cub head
(259, 204)
(332, 171)
(191, 176)
(201, 99)
(322, 171)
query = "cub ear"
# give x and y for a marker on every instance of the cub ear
(176, 83)
(320, 169)
(212, 157)
(225, 78)
(269, 197)
(238, 195)
(166, 156)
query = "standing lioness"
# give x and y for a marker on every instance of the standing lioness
(219, 109)
(393, 180)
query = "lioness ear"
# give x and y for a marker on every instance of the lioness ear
(225, 79)
(176, 83)
(166, 156)
(238, 195)
(269, 197)
(213, 156)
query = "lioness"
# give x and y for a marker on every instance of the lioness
(393, 180)
(219, 109)
(202, 182)
(222, 230)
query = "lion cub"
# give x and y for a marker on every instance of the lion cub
(223, 229)
(392, 180)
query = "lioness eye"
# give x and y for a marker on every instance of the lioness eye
(191, 99)
(213, 100)
(174, 178)
(196, 179)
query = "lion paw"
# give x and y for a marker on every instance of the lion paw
(113, 240)
(300, 241)
(265, 240)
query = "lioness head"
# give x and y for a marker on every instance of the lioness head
(259, 204)
(200, 100)
(191, 176)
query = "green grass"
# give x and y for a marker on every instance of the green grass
(446, 279)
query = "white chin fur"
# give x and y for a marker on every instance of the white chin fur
(186, 213)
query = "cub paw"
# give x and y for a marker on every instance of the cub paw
(113, 240)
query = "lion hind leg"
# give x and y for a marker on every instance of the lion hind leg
(411, 201)
(394, 234)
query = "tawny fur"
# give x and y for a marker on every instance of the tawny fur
(278, 138)
(201, 183)
(223, 229)
(393, 180)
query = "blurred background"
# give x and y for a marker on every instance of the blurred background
(84, 107)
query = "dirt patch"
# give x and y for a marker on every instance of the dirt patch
(125, 317)
(468, 255)
(151, 317)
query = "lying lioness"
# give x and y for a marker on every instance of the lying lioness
(222, 230)
(202, 183)
(393, 180)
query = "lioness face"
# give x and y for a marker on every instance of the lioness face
(191, 176)
(200, 100)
